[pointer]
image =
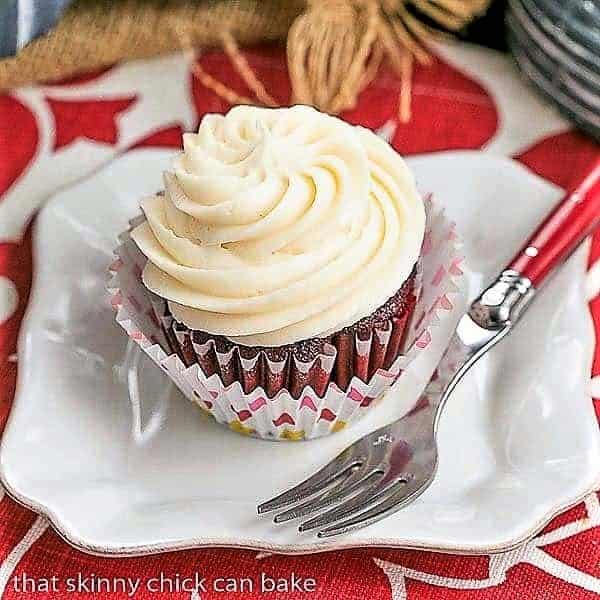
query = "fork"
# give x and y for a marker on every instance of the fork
(389, 468)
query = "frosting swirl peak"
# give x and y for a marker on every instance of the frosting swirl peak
(278, 225)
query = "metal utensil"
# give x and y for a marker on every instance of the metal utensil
(390, 467)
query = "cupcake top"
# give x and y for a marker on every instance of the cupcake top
(278, 225)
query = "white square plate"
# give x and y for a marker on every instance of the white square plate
(519, 440)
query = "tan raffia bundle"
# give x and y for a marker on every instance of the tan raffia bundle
(334, 47)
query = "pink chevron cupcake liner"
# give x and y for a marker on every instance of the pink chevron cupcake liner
(260, 393)
(345, 355)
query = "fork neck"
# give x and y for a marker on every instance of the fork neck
(503, 302)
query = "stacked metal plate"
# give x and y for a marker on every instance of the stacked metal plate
(556, 43)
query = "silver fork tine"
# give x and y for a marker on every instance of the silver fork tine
(353, 483)
(398, 485)
(391, 503)
(325, 477)
(356, 503)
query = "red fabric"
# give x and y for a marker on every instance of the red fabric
(95, 120)
(561, 158)
(15, 263)
(169, 137)
(444, 102)
(18, 140)
(450, 110)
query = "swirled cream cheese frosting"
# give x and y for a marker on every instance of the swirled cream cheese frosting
(278, 225)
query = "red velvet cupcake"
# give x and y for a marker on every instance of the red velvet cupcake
(284, 249)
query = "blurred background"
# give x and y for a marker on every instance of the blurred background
(334, 48)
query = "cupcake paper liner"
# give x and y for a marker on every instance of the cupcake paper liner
(253, 391)
(359, 352)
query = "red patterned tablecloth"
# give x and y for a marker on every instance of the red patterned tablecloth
(470, 98)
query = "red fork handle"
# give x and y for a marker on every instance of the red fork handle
(573, 219)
